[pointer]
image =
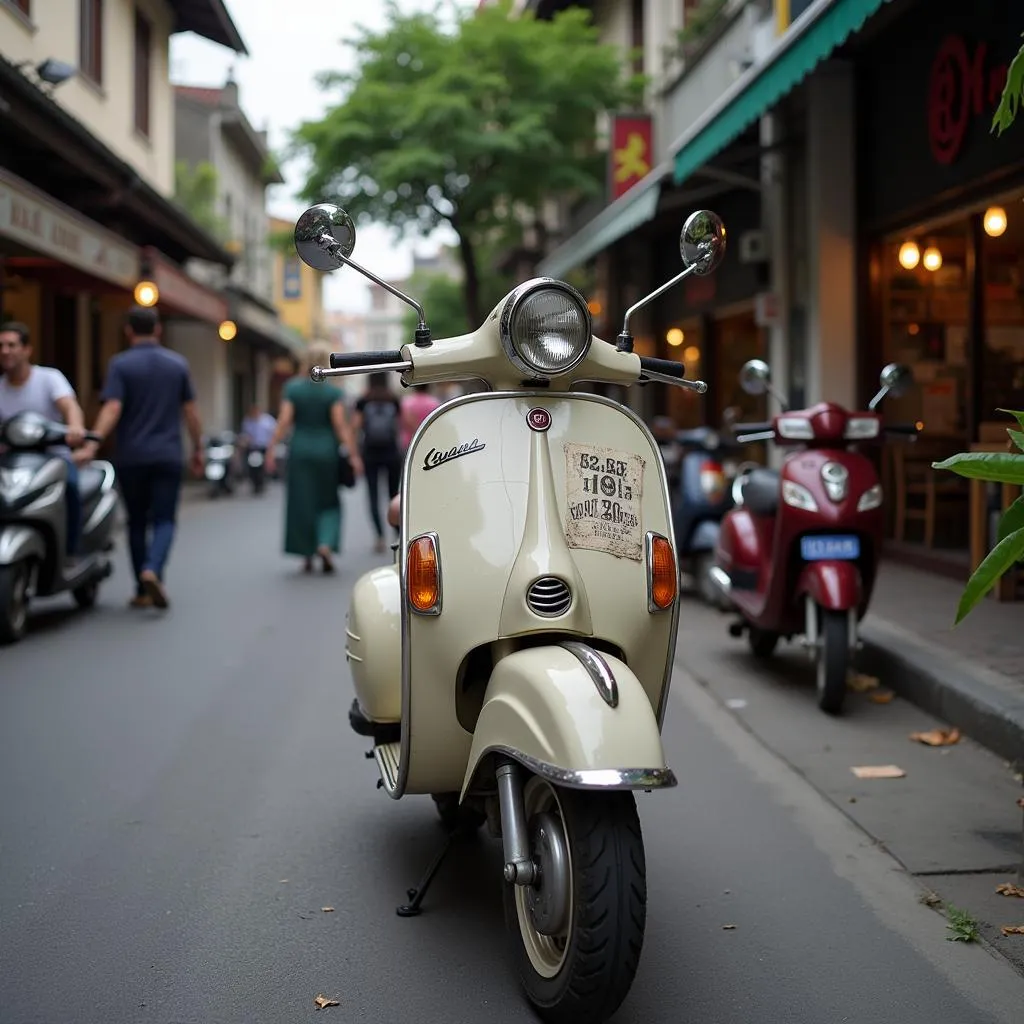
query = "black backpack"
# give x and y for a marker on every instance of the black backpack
(380, 425)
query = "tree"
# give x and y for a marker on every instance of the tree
(195, 189)
(995, 467)
(465, 123)
(1013, 95)
(444, 301)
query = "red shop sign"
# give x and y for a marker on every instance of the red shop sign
(631, 153)
(963, 86)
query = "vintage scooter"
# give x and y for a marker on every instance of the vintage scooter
(801, 547)
(33, 522)
(515, 663)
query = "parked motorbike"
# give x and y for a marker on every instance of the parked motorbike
(800, 550)
(515, 662)
(707, 468)
(255, 459)
(33, 522)
(220, 464)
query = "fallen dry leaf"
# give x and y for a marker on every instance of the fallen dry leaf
(1013, 929)
(937, 737)
(1009, 889)
(728, 927)
(880, 696)
(327, 910)
(322, 1001)
(878, 771)
(860, 683)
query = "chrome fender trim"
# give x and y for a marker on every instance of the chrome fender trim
(597, 778)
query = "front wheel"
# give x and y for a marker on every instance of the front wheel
(833, 661)
(579, 930)
(14, 581)
(86, 595)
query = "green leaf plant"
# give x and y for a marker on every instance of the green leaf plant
(1012, 97)
(1001, 468)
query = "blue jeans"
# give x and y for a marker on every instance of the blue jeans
(73, 505)
(150, 495)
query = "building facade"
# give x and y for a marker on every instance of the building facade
(86, 175)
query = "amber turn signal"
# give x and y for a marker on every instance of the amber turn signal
(423, 576)
(664, 574)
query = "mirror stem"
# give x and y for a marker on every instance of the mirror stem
(328, 244)
(650, 298)
(883, 391)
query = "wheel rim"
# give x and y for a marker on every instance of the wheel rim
(550, 904)
(19, 599)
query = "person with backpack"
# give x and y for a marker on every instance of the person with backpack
(378, 417)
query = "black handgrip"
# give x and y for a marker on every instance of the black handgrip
(901, 428)
(388, 355)
(750, 428)
(90, 436)
(669, 367)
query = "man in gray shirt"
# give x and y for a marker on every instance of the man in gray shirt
(25, 387)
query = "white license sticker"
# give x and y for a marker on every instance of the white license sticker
(603, 490)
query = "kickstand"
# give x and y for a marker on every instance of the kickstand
(412, 908)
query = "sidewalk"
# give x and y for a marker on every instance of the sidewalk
(971, 675)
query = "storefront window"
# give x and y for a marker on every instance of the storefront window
(685, 344)
(1002, 255)
(737, 339)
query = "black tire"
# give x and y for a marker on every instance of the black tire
(85, 596)
(833, 661)
(762, 642)
(14, 581)
(702, 566)
(587, 971)
(454, 815)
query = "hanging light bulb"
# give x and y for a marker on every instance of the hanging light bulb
(994, 221)
(147, 294)
(674, 337)
(910, 255)
(932, 258)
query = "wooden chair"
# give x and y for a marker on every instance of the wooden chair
(914, 477)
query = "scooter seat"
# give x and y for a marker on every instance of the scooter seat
(761, 492)
(90, 480)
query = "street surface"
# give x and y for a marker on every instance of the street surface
(183, 795)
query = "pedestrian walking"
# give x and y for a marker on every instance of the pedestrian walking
(25, 387)
(315, 415)
(148, 387)
(378, 414)
(416, 407)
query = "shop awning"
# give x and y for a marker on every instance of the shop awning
(180, 295)
(255, 318)
(825, 25)
(626, 214)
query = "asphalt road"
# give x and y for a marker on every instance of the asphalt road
(183, 795)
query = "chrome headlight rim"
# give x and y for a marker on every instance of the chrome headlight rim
(507, 318)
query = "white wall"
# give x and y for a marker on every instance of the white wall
(106, 109)
(208, 358)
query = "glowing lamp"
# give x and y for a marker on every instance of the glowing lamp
(595, 307)
(909, 256)
(674, 337)
(994, 221)
(691, 354)
(147, 293)
(227, 330)
(932, 258)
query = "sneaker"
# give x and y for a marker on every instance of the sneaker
(154, 588)
(141, 601)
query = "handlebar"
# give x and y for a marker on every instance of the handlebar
(750, 428)
(346, 359)
(908, 429)
(666, 367)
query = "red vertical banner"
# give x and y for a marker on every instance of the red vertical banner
(631, 154)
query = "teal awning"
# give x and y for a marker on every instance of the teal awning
(626, 214)
(825, 25)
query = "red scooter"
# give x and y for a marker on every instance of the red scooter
(800, 549)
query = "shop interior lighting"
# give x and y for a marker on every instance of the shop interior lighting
(595, 307)
(994, 221)
(227, 330)
(691, 354)
(674, 337)
(147, 293)
(910, 255)
(932, 258)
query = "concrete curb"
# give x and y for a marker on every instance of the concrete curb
(986, 705)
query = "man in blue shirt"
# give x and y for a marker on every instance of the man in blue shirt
(148, 388)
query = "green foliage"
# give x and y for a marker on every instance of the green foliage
(282, 241)
(698, 22)
(461, 123)
(1013, 95)
(961, 924)
(995, 467)
(195, 189)
(444, 303)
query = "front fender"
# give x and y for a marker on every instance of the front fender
(834, 585)
(543, 709)
(20, 542)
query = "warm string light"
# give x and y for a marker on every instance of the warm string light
(994, 221)
(931, 259)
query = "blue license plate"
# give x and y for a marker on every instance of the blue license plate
(843, 548)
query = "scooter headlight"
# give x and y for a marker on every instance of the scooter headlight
(545, 328)
(25, 430)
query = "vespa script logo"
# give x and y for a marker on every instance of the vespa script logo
(961, 87)
(435, 458)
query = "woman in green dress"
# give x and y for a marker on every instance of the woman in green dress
(315, 414)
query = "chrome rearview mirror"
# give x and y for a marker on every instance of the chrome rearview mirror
(325, 236)
(894, 379)
(702, 242)
(754, 376)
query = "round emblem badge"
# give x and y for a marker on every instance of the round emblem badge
(538, 419)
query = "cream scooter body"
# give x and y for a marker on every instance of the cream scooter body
(529, 691)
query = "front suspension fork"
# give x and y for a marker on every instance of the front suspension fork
(519, 867)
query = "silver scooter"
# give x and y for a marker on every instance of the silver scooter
(33, 522)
